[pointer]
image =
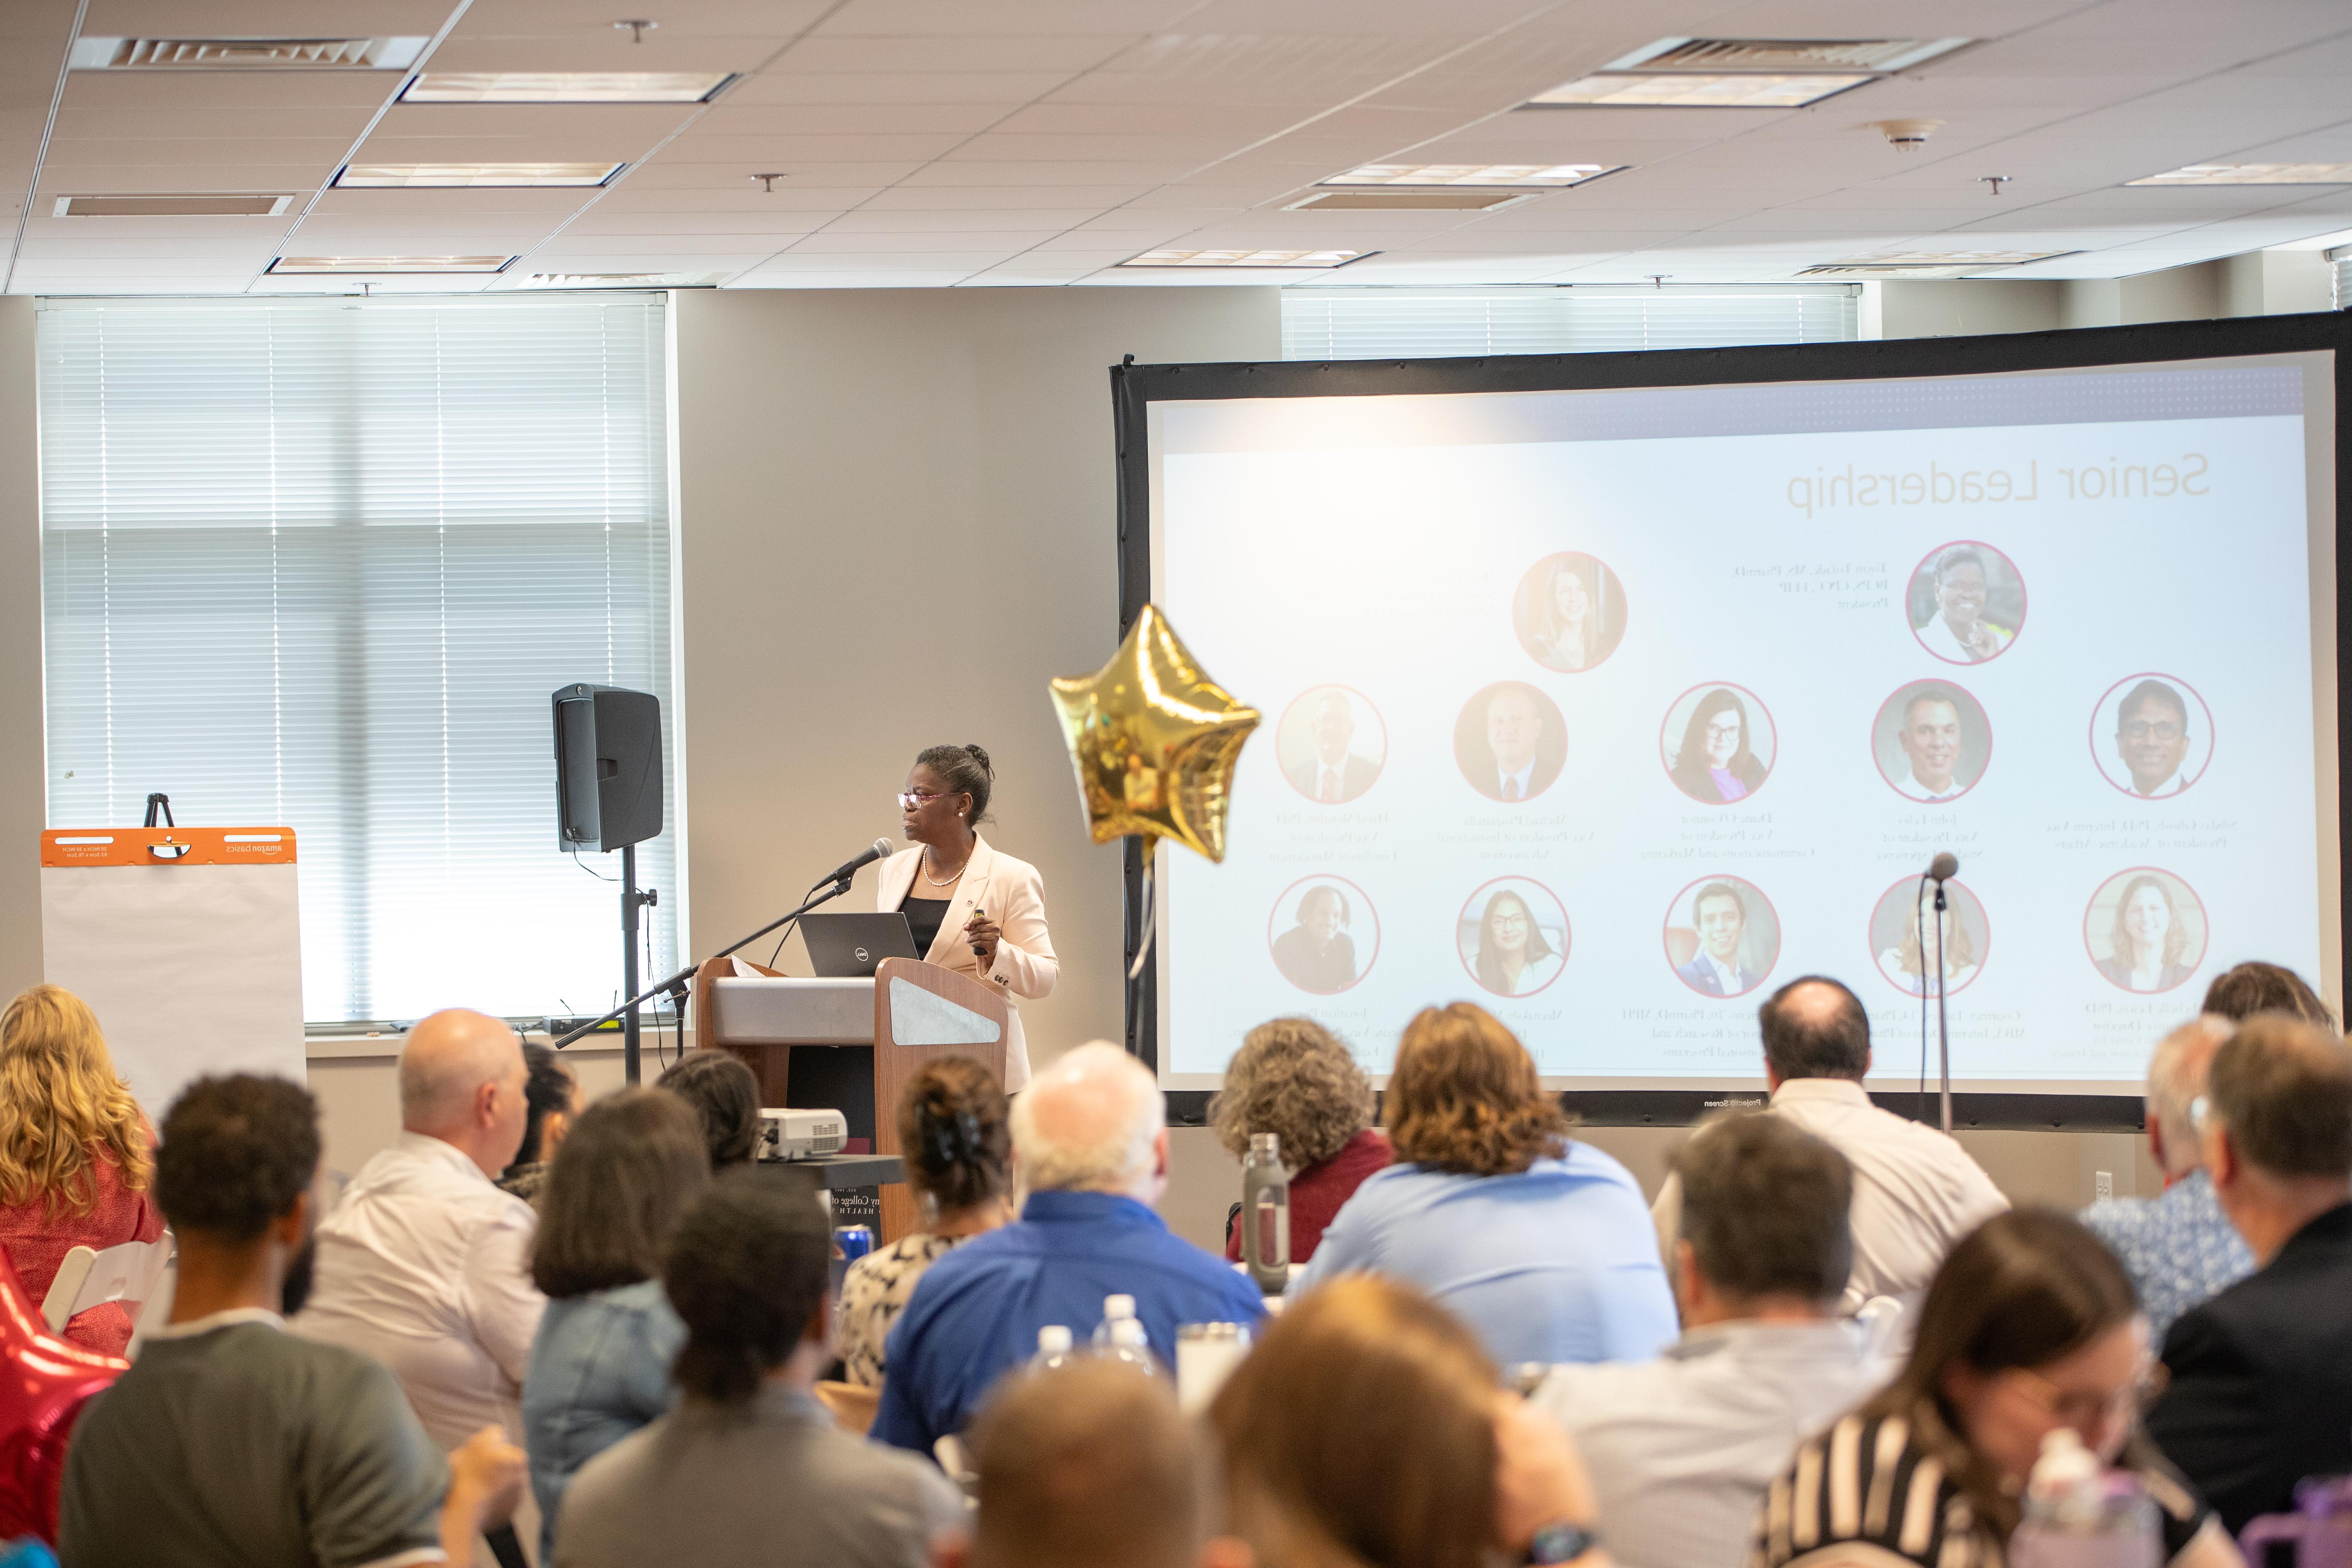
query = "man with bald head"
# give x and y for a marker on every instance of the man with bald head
(425, 1264)
(1090, 1150)
(1916, 1191)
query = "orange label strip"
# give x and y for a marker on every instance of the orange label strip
(167, 846)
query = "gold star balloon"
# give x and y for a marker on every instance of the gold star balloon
(1154, 741)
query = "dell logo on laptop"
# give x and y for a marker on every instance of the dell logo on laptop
(861, 956)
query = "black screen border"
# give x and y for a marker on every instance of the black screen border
(1135, 387)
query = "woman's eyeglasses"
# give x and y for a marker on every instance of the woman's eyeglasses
(909, 802)
(2082, 1409)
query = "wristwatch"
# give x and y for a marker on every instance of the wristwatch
(1562, 1543)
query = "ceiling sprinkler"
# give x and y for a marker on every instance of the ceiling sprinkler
(639, 27)
(1905, 135)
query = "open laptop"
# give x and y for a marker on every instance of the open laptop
(850, 947)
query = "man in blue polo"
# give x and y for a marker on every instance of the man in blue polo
(1090, 1148)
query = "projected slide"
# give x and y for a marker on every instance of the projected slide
(1612, 711)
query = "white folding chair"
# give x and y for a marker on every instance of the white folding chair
(128, 1273)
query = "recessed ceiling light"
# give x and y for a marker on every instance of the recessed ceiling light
(447, 176)
(245, 54)
(352, 264)
(1928, 263)
(1391, 199)
(1545, 175)
(1286, 259)
(2253, 175)
(1681, 89)
(565, 87)
(171, 206)
(1874, 55)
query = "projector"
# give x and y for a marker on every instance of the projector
(794, 1134)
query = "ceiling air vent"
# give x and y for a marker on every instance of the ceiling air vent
(624, 280)
(1454, 201)
(171, 206)
(246, 54)
(1928, 264)
(1785, 54)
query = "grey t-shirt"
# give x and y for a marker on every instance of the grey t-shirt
(240, 1445)
(775, 1483)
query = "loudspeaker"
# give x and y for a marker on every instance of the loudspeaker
(608, 767)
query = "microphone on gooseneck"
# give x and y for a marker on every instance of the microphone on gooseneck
(882, 849)
(1944, 867)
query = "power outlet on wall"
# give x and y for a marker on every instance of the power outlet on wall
(2103, 1185)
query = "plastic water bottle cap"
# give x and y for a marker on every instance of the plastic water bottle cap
(1118, 1306)
(1053, 1338)
(2064, 1462)
(1126, 1332)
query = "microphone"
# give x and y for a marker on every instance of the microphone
(881, 849)
(1944, 867)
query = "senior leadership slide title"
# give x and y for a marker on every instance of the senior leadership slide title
(1828, 489)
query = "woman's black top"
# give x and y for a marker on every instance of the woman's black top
(923, 918)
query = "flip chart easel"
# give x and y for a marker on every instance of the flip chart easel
(186, 941)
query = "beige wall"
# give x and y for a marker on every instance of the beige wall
(897, 522)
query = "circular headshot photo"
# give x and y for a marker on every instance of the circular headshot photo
(2152, 735)
(1569, 612)
(1932, 740)
(1966, 602)
(1324, 934)
(1718, 744)
(2145, 930)
(1331, 744)
(1723, 936)
(1510, 741)
(1513, 936)
(1910, 942)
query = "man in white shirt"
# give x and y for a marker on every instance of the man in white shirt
(425, 1264)
(1930, 739)
(1682, 1449)
(1515, 725)
(1916, 1191)
(2152, 738)
(1335, 774)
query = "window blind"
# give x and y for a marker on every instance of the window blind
(1331, 322)
(2339, 272)
(321, 564)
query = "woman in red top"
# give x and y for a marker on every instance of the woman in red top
(76, 1155)
(1294, 1078)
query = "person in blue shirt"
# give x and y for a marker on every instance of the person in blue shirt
(1090, 1146)
(1541, 1244)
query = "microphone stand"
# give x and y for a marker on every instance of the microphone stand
(1943, 1027)
(675, 983)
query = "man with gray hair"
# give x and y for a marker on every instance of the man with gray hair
(1090, 1152)
(424, 1263)
(2178, 1247)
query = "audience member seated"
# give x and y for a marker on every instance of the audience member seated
(1293, 1078)
(1090, 1148)
(232, 1444)
(2178, 1248)
(1367, 1431)
(2029, 1326)
(1088, 1466)
(600, 1366)
(1916, 1191)
(725, 1093)
(552, 1101)
(749, 1467)
(424, 1263)
(957, 1152)
(2261, 1376)
(74, 1153)
(1681, 1448)
(2238, 993)
(1537, 1241)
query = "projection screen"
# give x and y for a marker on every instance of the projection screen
(1613, 691)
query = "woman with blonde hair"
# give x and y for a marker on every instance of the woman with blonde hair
(1542, 1244)
(1293, 1078)
(76, 1155)
(1368, 1430)
(1908, 964)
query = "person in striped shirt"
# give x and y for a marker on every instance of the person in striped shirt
(2030, 1325)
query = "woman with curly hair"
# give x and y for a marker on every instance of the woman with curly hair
(76, 1155)
(1541, 1244)
(1293, 1078)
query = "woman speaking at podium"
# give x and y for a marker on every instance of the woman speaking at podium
(971, 907)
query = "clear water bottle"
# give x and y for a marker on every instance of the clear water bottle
(2080, 1514)
(1130, 1347)
(1053, 1348)
(1266, 1214)
(1116, 1309)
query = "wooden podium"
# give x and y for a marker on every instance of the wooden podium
(910, 1013)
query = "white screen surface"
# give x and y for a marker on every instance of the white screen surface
(1951, 588)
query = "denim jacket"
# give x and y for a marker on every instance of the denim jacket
(599, 1369)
